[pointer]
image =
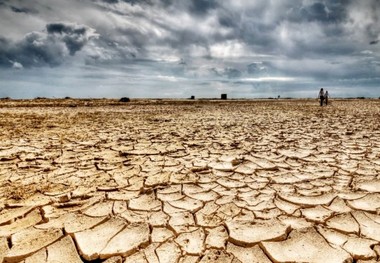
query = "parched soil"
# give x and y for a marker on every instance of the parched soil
(189, 181)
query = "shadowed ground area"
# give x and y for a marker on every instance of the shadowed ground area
(189, 181)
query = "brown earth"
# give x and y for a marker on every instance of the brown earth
(189, 181)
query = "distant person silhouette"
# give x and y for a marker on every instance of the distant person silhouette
(326, 96)
(321, 97)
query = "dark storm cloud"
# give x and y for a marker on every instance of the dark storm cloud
(258, 26)
(62, 28)
(21, 10)
(17, 8)
(195, 6)
(373, 29)
(312, 29)
(134, 2)
(228, 72)
(203, 6)
(131, 2)
(306, 35)
(258, 69)
(150, 33)
(232, 73)
(111, 1)
(45, 48)
(4, 46)
(326, 12)
(74, 36)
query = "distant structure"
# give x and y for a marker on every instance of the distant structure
(223, 96)
(124, 99)
(192, 97)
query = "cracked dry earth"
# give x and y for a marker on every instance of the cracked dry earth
(181, 181)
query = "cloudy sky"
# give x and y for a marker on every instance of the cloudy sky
(179, 48)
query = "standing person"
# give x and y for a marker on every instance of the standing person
(321, 96)
(326, 96)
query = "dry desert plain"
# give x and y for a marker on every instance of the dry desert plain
(189, 181)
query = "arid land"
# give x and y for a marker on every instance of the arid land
(189, 181)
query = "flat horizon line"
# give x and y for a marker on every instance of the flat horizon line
(190, 99)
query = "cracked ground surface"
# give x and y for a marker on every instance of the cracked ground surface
(189, 181)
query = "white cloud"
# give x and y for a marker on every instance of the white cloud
(17, 65)
(168, 78)
(269, 79)
(366, 52)
(229, 49)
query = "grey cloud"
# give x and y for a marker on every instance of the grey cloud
(260, 25)
(326, 12)
(316, 11)
(111, 1)
(17, 7)
(373, 29)
(364, 20)
(132, 2)
(64, 28)
(229, 20)
(228, 72)
(74, 36)
(203, 6)
(200, 7)
(4, 47)
(140, 38)
(258, 69)
(38, 49)
(21, 10)
(232, 73)
(46, 48)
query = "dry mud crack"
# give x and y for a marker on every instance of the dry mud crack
(189, 181)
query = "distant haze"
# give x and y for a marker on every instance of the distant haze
(176, 49)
